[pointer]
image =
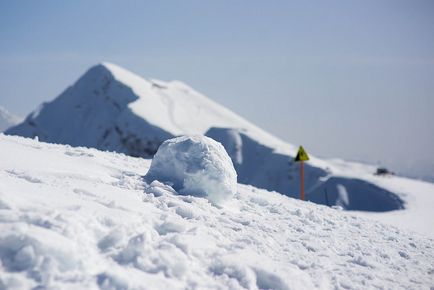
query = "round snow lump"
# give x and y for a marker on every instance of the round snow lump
(195, 165)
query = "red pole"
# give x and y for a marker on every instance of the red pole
(301, 180)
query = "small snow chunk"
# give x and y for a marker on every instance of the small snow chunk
(243, 275)
(111, 239)
(259, 201)
(185, 212)
(195, 165)
(404, 255)
(108, 281)
(268, 280)
(24, 258)
(361, 261)
(170, 227)
(158, 189)
(134, 249)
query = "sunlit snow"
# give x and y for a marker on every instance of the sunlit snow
(77, 218)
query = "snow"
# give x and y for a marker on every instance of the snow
(418, 214)
(110, 108)
(403, 202)
(77, 218)
(195, 165)
(7, 119)
(113, 109)
(273, 168)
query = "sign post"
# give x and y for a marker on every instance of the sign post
(301, 157)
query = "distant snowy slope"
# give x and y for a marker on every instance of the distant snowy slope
(396, 200)
(7, 119)
(110, 108)
(113, 109)
(274, 169)
(87, 220)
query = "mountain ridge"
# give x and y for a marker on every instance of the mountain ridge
(116, 106)
(7, 119)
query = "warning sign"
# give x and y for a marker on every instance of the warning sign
(301, 155)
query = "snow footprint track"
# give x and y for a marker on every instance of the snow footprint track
(156, 250)
(24, 175)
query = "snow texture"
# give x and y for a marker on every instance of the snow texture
(195, 165)
(77, 218)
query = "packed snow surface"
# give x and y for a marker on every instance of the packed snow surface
(77, 218)
(195, 165)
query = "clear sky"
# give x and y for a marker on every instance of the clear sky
(350, 79)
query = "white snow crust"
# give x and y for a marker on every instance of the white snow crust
(77, 218)
(195, 165)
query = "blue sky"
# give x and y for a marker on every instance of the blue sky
(350, 79)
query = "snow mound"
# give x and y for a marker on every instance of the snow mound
(195, 165)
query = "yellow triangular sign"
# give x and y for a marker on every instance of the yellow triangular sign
(301, 155)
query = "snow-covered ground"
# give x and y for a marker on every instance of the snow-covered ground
(77, 218)
(418, 214)
(418, 197)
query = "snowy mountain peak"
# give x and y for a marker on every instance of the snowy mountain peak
(127, 77)
(120, 74)
(111, 108)
(136, 82)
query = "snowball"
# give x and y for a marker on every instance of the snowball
(195, 165)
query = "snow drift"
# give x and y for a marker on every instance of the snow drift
(195, 165)
(87, 220)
